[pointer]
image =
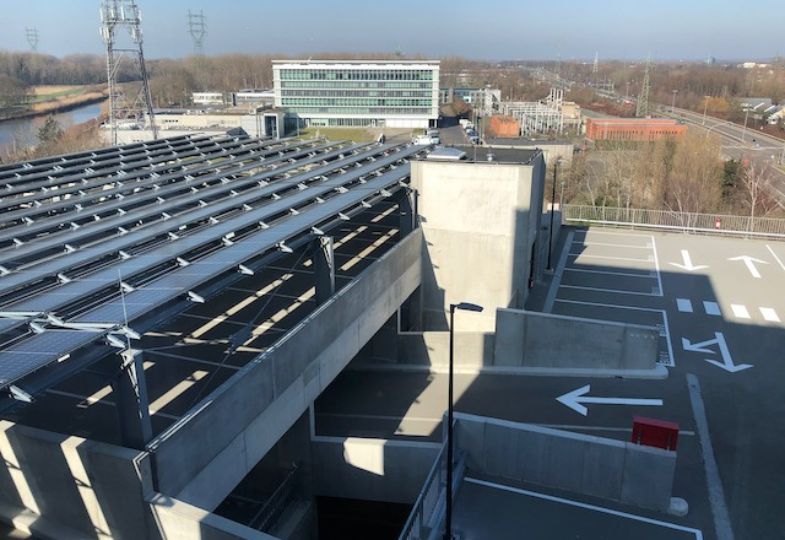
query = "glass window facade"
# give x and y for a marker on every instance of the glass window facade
(372, 93)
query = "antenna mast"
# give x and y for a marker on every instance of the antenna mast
(125, 54)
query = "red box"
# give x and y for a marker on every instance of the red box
(653, 432)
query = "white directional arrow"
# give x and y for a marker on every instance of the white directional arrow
(685, 255)
(575, 400)
(750, 262)
(719, 340)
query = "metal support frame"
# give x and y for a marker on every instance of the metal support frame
(116, 14)
(323, 268)
(133, 406)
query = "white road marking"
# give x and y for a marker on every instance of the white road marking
(688, 265)
(684, 305)
(769, 314)
(656, 264)
(576, 399)
(749, 262)
(588, 256)
(611, 233)
(698, 534)
(719, 510)
(711, 308)
(740, 311)
(631, 246)
(606, 272)
(776, 258)
(616, 291)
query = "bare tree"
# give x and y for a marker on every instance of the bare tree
(756, 181)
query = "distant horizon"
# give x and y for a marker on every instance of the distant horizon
(314, 57)
(670, 30)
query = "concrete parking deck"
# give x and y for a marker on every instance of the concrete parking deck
(720, 314)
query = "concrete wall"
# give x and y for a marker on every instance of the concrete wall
(61, 486)
(595, 466)
(479, 221)
(531, 339)
(201, 458)
(371, 469)
(527, 341)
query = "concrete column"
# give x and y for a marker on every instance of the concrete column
(133, 406)
(323, 268)
(405, 211)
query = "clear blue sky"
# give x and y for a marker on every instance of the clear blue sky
(488, 29)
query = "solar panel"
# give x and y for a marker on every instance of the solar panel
(39, 351)
(42, 349)
(55, 222)
(61, 264)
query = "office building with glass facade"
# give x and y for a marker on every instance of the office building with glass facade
(393, 94)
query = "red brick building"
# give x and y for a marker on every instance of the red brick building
(632, 129)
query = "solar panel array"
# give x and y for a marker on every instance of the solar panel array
(91, 243)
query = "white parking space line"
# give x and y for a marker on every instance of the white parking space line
(648, 275)
(611, 233)
(711, 308)
(631, 246)
(698, 534)
(656, 264)
(769, 314)
(615, 291)
(719, 508)
(779, 261)
(684, 305)
(740, 311)
(588, 256)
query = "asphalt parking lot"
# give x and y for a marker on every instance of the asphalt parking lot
(719, 306)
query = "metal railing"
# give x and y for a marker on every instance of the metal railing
(678, 221)
(269, 513)
(418, 525)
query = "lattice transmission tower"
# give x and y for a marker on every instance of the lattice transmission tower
(32, 38)
(197, 27)
(129, 102)
(642, 108)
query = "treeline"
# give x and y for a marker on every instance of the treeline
(685, 174)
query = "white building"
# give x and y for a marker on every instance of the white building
(253, 97)
(207, 98)
(365, 93)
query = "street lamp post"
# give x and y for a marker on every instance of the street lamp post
(705, 108)
(744, 131)
(553, 209)
(673, 101)
(463, 306)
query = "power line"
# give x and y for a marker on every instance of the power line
(128, 103)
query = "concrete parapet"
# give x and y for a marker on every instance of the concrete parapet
(203, 456)
(543, 340)
(585, 464)
(62, 487)
(371, 469)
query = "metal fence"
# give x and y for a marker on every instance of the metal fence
(418, 525)
(679, 221)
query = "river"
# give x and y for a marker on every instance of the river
(25, 130)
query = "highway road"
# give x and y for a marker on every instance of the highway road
(738, 143)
